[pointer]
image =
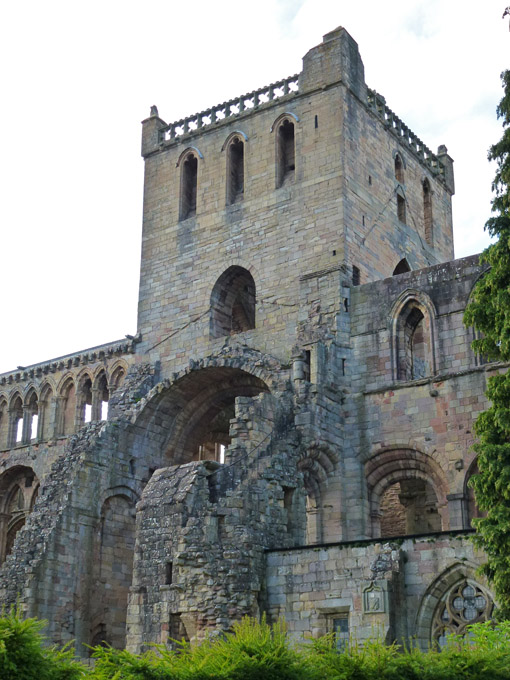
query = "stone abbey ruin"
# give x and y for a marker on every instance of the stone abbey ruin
(290, 429)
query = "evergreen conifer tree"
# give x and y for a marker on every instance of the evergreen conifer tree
(489, 312)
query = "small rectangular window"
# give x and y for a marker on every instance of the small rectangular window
(401, 208)
(169, 573)
(356, 276)
(341, 631)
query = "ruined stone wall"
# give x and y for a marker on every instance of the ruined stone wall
(387, 590)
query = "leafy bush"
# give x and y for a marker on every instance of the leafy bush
(256, 651)
(253, 651)
(23, 657)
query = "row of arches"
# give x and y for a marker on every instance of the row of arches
(39, 414)
(407, 494)
(399, 169)
(234, 149)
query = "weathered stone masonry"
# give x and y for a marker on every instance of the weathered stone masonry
(290, 430)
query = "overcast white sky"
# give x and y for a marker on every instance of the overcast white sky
(79, 77)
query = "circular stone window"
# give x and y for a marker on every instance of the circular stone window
(466, 603)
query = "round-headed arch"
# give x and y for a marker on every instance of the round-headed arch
(188, 418)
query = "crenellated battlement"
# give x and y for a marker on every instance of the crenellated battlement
(377, 103)
(231, 109)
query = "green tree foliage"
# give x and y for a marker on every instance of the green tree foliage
(489, 312)
(23, 656)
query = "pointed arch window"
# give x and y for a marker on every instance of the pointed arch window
(402, 267)
(464, 604)
(427, 211)
(285, 153)
(399, 169)
(189, 176)
(235, 170)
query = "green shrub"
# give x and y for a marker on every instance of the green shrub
(252, 651)
(23, 656)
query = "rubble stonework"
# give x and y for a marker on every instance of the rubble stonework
(290, 430)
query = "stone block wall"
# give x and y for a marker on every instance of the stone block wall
(388, 590)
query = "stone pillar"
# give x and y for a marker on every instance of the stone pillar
(27, 424)
(96, 404)
(457, 511)
(4, 521)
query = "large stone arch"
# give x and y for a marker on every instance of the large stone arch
(395, 466)
(173, 417)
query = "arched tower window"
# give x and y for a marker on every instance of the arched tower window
(399, 169)
(427, 211)
(285, 153)
(235, 170)
(189, 174)
(232, 303)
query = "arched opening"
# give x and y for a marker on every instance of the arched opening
(18, 490)
(100, 398)
(84, 400)
(466, 603)
(32, 416)
(67, 405)
(409, 507)
(402, 267)
(399, 169)
(285, 153)
(113, 569)
(407, 494)
(191, 420)
(427, 212)
(45, 415)
(4, 424)
(413, 346)
(189, 174)
(235, 170)
(16, 436)
(232, 303)
(323, 495)
(117, 378)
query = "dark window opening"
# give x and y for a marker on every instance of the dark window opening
(235, 171)
(288, 501)
(169, 573)
(427, 211)
(401, 208)
(356, 275)
(399, 170)
(308, 364)
(286, 153)
(233, 303)
(341, 631)
(402, 267)
(189, 187)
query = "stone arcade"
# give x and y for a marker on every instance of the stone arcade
(289, 431)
